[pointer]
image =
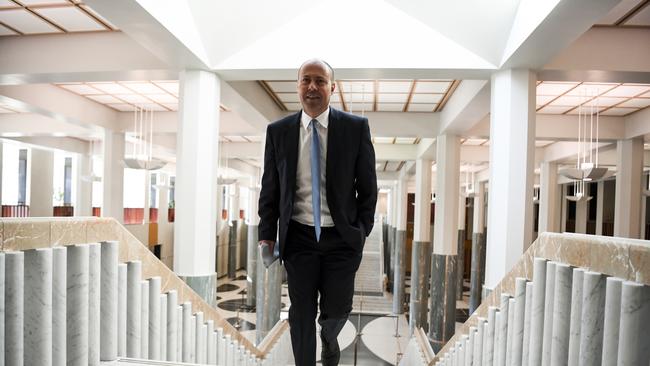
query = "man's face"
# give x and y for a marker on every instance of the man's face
(315, 88)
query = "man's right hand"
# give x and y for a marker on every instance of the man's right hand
(270, 243)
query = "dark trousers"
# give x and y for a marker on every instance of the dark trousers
(327, 268)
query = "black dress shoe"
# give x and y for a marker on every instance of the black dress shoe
(330, 353)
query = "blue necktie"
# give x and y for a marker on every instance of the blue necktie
(315, 176)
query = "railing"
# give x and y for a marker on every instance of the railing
(117, 304)
(558, 317)
(15, 211)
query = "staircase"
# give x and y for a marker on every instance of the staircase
(369, 297)
(571, 300)
(76, 304)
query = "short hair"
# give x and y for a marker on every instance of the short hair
(321, 61)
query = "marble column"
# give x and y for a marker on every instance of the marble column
(444, 269)
(421, 251)
(210, 343)
(537, 313)
(477, 275)
(591, 327)
(163, 326)
(122, 274)
(512, 153)
(391, 236)
(94, 302)
(172, 325)
(489, 336)
(268, 303)
(77, 300)
(221, 347)
(549, 303)
(199, 336)
(518, 318)
(192, 337)
(41, 190)
(460, 258)
(564, 207)
(400, 247)
(576, 317)
(478, 342)
(144, 319)
(469, 346)
(179, 333)
(59, 267)
(14, 308)
(113, 175)
(134, 310)
(561, 315)
(549, 198)
(509, 334)
(634, 340)
(232, 248)
(502, 330)
(154, 318)
(187, 332)
(108, 300)
(629, 174)
(253, 238)
(527, 315)
(196, 182)
(38, 307)
(612, 321)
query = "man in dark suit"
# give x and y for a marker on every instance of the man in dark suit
(320, 187)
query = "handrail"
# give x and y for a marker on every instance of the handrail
(30, 233)
(625, 258)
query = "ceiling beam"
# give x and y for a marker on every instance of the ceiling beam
(468, 105)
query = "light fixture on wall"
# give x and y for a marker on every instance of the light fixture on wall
(142, 157)
(587, 168)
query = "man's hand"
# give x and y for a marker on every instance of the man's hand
(270, 243)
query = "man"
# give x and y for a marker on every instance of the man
(319, 185)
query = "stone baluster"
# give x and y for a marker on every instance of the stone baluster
(163, 327)
(209, 341)
(59, 289)
(527, 315)
(134, 309)
(122, 288)
(591, 328)
(561, 314)
(154, 318)
(172, 326)
(187, 329)
(488, 337)
(94, 302)
(549, 301)
(611, 323)
(109, 300)
(634, 340)
(77, 301)
(200, 339)
(38, 307)
(576, 316)
(537, 313)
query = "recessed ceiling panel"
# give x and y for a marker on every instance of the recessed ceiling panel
(82, 89)
(43, 2)
(142, 88)
(426, 98)
(432, 86)
(162, 98)
(543, 99)
(169, 86)
(282, 86)
(636, 103)
(105, 99)
(8, 4)
(554, 110)
(616, 111)
(26, 22)
(111, 88)
(4, 31)
(589, 90)
(422, 107)
(293, 106)
(390, 107)
(360, 107)
(568, 101)
(394, 86)
(123, 107)
(289, 97)
(641, 18)
(71, 19)
(392, 98)
(384, 140)
(360, 86)
(547, 88)
(133, 98)
(628, 90)
(405, 140)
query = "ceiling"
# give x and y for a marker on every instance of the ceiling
(372, 95)
(609, 99)
(628, 13)
(29, 17)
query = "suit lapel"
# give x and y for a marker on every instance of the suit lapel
(332, 146)
(292, 143)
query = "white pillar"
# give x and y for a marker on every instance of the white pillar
(422, 220)
(600, 199)
(629, 171)
(41, 183)
(512, 135)
(479, 208)
(147, 199)
(549, 198)
(113, 175)
(196, 178)
(582, 213)
(83, 203)
(233, 202)
(447, 201)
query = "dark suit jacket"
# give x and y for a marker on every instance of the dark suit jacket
(351, 180)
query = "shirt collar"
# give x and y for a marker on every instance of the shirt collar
(322, 118)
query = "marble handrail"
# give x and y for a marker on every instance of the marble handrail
(20, 234)
(628, 259)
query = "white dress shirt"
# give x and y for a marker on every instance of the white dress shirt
(302, 207)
